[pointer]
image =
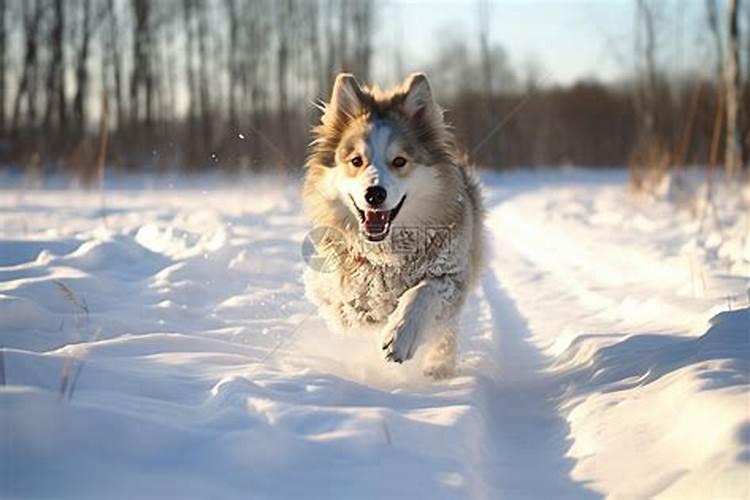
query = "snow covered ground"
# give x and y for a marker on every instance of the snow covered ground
(161, 346)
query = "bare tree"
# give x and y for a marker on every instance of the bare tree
(484, 46)
(486, 68)
(734, 154)
(647, 98)
(33, 13)
(285, 12)
(315, 54)
(233, 60)
(256, 68)
(167, 76)
(650, 158)
(114, 61)
(332, 58)
(188, 9)
(712, 17)
(142, 78)
(56, 105)
(363, 24)
(203, 72)
(343, 35)
(3, 61)
(81, 72)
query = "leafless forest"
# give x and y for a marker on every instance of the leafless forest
(229, 84)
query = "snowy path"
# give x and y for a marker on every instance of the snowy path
(196, 367)
(576, 269)
(525, 428)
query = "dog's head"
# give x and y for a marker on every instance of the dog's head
(373, 154)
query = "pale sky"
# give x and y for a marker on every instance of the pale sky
(567, 39)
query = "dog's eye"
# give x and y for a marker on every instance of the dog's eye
(356, 161)
(398, 162)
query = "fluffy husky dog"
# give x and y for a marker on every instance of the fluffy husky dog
(401, 220)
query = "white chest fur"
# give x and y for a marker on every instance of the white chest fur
(364, 287)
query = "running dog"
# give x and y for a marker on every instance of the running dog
(399, 220)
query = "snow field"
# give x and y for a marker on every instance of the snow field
(161, 346)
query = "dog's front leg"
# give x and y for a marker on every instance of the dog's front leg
(414, 316)
(407, 323)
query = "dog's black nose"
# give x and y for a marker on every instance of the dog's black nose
(375, 195)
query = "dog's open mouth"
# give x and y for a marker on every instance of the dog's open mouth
(375, 224)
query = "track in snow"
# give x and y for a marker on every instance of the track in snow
(528, 436)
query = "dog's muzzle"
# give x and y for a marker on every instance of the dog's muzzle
(375, 224)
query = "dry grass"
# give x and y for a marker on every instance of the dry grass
(74, 363)
(80, 307)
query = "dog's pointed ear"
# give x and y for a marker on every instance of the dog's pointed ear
(346, 97)
(418, 100)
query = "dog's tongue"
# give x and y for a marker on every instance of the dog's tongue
(375, 220)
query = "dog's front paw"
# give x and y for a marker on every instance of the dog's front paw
(400, 340)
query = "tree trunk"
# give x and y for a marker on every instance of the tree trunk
(315, 57)
(3, 62)
(649, 91)
(203, 79)
(285, 14)
(343, 48)
(56, 73)
(27, 85)
(484, 46)
(486, 68)
(62, 105)
(332, 58)
(233, 62)
(188, 9)
(712, 16)
(733, 154)
(115, 62)
(82, 73)
(363, 39)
